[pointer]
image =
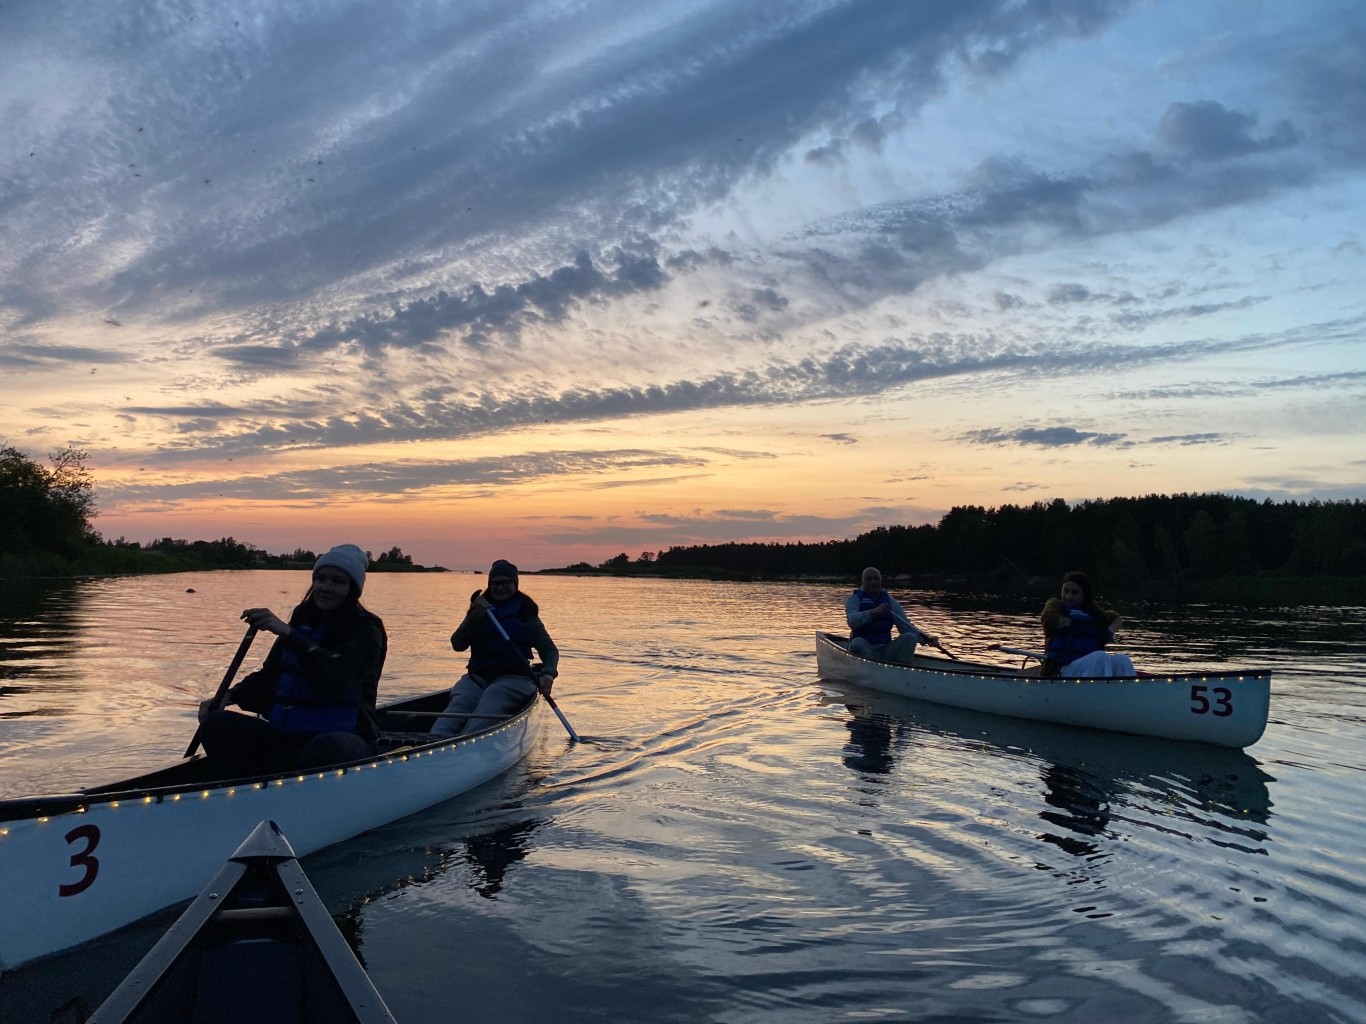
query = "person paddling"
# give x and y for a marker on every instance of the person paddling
(498, 679)
(871, 612)
(316, 691)
(1077, 630)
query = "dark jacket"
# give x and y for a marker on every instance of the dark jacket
(1072, 633)
(330, 685)
(491, 656)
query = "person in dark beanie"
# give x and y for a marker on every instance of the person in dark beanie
(316, 692)
(498, 680)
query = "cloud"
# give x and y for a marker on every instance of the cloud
(1044, 437)
(448, 412)
(505, 310)
(250, 161)
(404, 476)
(266, 357)
(27, 356)
(1189, 439)
(825, 156)
(1203, 390)
(663, 529)
(1063, 294)
(1206, 130)
(1329, 79)
(1142, 318)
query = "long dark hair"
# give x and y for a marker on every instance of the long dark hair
(1088, 592)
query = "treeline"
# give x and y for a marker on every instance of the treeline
(47, 514)
(1161, 545)
(231, 554)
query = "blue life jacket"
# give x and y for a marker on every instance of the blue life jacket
(491, 656)
(879, 630)
(1085, 635)
(298, 706)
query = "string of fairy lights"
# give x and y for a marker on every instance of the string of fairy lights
(398, 756)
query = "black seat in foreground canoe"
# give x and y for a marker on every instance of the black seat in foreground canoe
(256, 945)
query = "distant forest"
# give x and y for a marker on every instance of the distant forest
(47, 512)
(1178, 545)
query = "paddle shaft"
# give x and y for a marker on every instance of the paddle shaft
(220, 698)
(548, 699)
(903, 621)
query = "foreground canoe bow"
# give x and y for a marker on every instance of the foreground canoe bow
(256, 945)
(78, 865)
(1226, 708)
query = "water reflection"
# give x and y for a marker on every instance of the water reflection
(40, 625)
(351, 923)
(492, 853)
(871, 736)
(1094, 783)
(1077, 802)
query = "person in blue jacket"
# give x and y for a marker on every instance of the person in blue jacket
(498, 679)
(871, 612)
(315, 694)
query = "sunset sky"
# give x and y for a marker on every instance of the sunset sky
(550, 281)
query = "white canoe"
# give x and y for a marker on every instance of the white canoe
(1226, 708)
(77, 865)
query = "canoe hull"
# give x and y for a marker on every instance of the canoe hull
(91, 866)
(1227, 709)
(256, 939)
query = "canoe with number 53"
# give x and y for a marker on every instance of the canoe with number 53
(1228, 708)
(78, 865)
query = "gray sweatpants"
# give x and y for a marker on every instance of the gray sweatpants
(902, 649)
(475, 696)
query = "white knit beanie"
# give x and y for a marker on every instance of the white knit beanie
(350, 560)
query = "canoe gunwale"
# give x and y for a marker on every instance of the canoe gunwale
(157, 987)
(53, 804)
(978, 671)
(1223, 707)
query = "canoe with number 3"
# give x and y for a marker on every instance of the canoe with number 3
(1227, 708)
(79, 865)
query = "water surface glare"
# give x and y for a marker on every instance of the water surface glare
(739, 841)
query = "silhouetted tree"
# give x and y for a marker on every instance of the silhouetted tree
(46, 509)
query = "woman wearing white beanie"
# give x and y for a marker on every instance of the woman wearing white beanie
(316, 691)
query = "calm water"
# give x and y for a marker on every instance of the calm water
(739, 841)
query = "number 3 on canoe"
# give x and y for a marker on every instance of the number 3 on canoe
(1223, 701)
(82, 859)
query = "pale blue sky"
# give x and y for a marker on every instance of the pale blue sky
(568, 279)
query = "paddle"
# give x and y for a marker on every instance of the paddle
(220, 698)
(901, 620)
(548, 699)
